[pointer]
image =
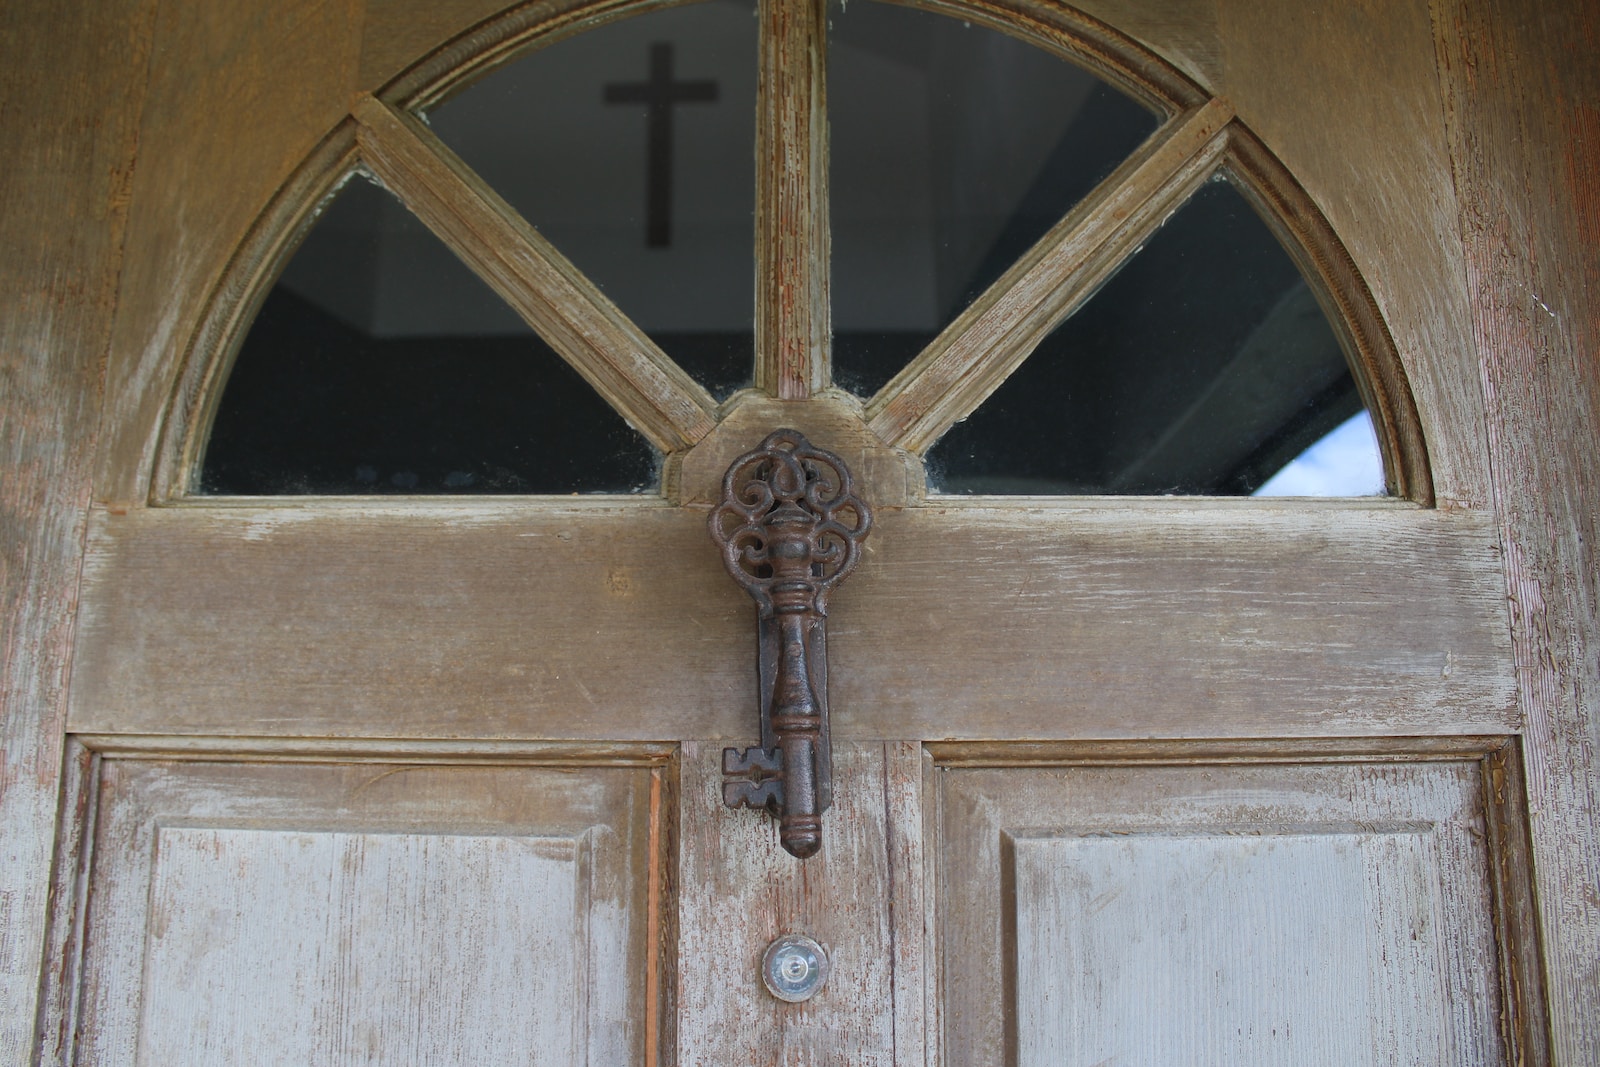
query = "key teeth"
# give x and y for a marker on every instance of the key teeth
(754, 778)
(756, 763)
(741, 794)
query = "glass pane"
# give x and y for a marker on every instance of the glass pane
(1203, 366)
(632, 149)
(1344, 463)
(953, 149)
(380, 364)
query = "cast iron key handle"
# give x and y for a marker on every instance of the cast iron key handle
(790, 527)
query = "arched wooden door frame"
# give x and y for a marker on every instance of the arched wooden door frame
(1442, 340)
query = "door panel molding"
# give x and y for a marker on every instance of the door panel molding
(415, 827)
(1201, 796)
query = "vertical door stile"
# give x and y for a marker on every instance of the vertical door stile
(792, 248)
(860, 898)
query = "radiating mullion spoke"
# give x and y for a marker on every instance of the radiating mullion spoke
(980, 349)
(792, 318)
(567, 310)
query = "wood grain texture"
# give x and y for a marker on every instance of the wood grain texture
(1524, 120)
(794, 336)
(231, 310)
(888, 477)
(71, 89)
(205, 176)
(569, 311)
(976, 353)
(68, 885)
(1147, 618)
(1527, 1023)
(333, 913)
(1346, 97)
(1275, 913)
(614, 619)
(1183, 34)
(856, 897)
(399, 34)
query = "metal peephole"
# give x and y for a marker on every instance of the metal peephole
(794, 967)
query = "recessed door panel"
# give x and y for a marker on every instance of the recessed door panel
(1230, 914)
(281, 913)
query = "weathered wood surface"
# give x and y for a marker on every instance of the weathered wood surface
(1347, 95)
(399, 35)
(568, 310)
(290, 912)
(1376, 163)
(1140, 619)
(990, 339)
(254, 92)
(794, 336)
(1242, 914)
(70, 96)
(860, 898)
(1524, 121)
(889, 477)
(1183, 34)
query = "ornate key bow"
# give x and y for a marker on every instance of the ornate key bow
(789, 527)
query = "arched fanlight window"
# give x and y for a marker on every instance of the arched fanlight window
(1028, 257)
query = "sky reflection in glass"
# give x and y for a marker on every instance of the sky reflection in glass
(1344, 463)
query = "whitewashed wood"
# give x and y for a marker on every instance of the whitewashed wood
(60, 984)
(1222, 950)
(200, 747)
(856, 897)
(72, 96)
(277, 946)
(413, 39)
(616, 620)
(1523, 120)
(1289, 74)
(909, 901)
(1217, 915)
(270, 913)
(1527, 1021)
(1183, 35)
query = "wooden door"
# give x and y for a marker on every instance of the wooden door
(1266, 756)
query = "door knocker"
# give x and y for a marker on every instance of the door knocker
(789, 527)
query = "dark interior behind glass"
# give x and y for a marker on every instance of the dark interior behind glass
(953, 148)
(1203, 366)
(380, 363)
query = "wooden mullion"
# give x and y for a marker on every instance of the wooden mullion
(567, 310)
(793, 327)
(992, 337)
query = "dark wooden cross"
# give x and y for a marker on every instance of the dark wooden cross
(659, 94)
